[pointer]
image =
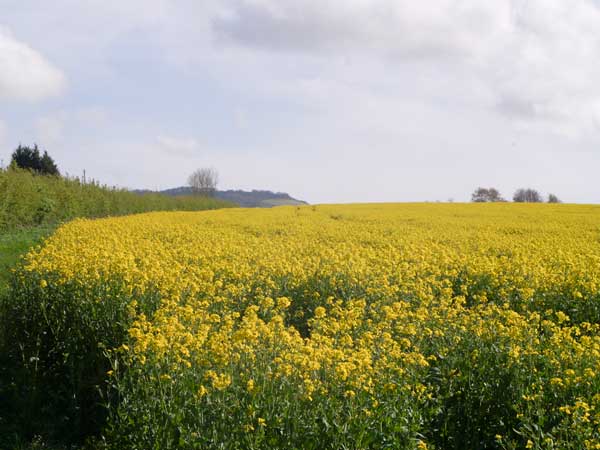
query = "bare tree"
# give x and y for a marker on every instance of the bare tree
(204, 181)
(482, 195)
(553, 199)
(527, 196)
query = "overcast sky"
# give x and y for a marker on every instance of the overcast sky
(329, 100)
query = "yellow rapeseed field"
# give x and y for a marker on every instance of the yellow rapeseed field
(405, 326)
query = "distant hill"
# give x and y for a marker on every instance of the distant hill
(248, 199)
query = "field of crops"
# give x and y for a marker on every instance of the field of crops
(410, 326)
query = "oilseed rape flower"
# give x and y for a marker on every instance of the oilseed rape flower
(357, 326)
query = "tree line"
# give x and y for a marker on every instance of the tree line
(522, 195)
(203, 181)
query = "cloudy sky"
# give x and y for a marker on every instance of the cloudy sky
(329, 100)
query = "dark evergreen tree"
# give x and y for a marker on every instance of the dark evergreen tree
(48, 166)
(29, 158)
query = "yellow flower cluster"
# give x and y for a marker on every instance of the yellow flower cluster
(360, 308)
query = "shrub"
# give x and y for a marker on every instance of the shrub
(27, 199)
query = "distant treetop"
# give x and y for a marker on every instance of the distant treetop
(527, 196)
(29, 158)
(484, 195)
(204, 181)
(553, 199)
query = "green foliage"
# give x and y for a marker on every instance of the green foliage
(30, 200)
(57, 353)
(51, 384)
(161, 414)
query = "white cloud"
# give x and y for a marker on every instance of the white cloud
(92, 117)
(535, 61)
(178, 146)
(24, 73)
(401, 27)
(50, 129)
(4, 157)
(3, 132)
(545, 71)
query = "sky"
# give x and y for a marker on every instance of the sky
(332, 101)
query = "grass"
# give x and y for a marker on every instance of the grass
(14, 244)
